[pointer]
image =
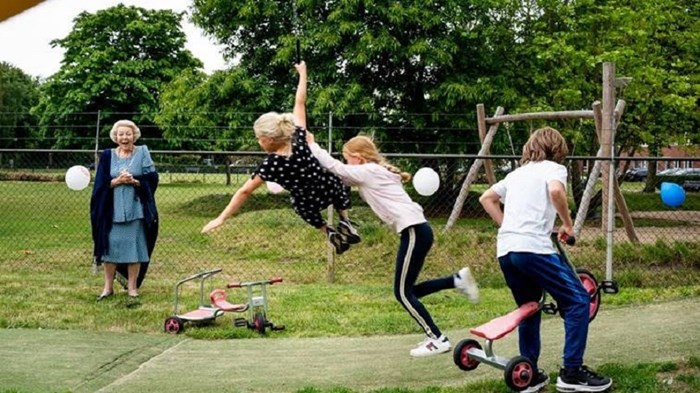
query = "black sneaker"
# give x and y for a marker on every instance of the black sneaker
(581, 380)
(349, 233)
(337, 241)
(538, 383)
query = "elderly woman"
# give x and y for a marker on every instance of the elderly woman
(123, 210)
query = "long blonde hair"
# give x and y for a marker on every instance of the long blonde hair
(277, 126)
(363, 147)
(545, 144)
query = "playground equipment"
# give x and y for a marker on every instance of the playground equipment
(204, 313)
(256, 304)
(519, 370)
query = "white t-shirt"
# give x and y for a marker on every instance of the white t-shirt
(528, 213)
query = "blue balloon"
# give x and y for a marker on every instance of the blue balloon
(672, 194)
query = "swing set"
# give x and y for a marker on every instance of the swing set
(606, 118)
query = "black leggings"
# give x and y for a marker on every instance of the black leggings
(415, 243)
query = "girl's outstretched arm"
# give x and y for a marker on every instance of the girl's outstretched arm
(300, 98)
(350, 174)
(236, 202)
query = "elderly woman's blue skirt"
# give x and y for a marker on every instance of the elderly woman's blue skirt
(127, 243)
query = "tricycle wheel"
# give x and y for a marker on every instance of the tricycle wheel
(461, 356)
(259, 323)
(173, 325)
(591, 284)
(519, 373)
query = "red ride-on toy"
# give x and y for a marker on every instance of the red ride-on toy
(204, 314)
(256, 305)
(519, 371)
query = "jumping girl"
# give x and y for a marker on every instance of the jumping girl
(381, 185)
(291, 165)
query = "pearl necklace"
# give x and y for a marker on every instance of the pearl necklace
(125, 167)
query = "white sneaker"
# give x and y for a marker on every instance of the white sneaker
(431, 346)
(465, 283)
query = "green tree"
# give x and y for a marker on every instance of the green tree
(117, 60)
(200, 112)
(403, 65)
(19, 92)
(654, 43)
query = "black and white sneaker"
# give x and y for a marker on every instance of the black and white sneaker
(337, 241)
(431, 346)
(345, 228)
(538, 383)
(581, 379)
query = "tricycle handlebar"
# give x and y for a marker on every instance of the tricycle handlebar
(238, 284)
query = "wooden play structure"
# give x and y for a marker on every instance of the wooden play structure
(606, 117)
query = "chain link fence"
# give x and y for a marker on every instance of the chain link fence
(45, 225)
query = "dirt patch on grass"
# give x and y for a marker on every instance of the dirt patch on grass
(689, 231)
(685, 378)
(692, 216)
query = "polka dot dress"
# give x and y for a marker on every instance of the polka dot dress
(312, 188)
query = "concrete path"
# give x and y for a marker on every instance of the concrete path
(138, 363)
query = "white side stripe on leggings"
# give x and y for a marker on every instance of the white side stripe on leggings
(402, 284)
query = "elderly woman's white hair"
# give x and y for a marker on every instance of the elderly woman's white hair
(124, 123)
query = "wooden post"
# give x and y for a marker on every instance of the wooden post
(481, 123)
(471, 175)
(619, 198)
(592, 176)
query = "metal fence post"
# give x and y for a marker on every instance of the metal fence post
(97, 138)
(330, 267)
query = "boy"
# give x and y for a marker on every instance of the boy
(533, 195)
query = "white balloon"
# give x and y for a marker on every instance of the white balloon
(426, 181)
(77, 177)
(274, 187)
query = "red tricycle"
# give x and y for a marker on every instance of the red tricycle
(256, 304)
(519, 370)
(203, 314)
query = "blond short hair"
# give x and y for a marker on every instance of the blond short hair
(124, 123)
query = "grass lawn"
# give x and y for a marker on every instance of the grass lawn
(47, 283)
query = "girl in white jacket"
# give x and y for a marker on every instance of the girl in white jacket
(381, 185)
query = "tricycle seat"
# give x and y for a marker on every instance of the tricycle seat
(499, 327)
(218, 298)
(202, 314)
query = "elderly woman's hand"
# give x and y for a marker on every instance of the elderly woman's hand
(123, 178)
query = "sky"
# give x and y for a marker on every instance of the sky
(24, 38)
